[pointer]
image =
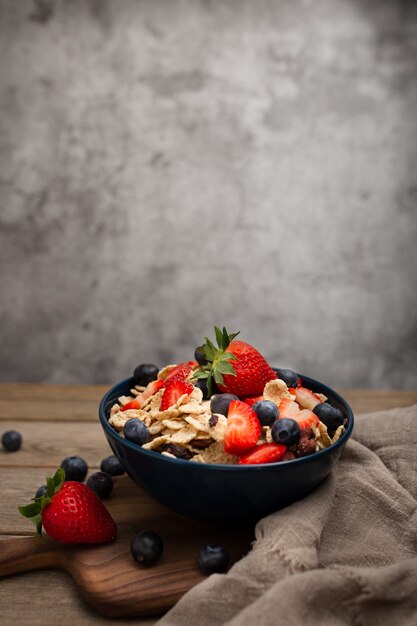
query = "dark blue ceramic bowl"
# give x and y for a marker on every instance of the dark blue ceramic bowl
(223, 493)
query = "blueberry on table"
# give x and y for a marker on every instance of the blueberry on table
(135, 431)
(101, 483)
(111, 465)
(220, 403)
(286, 431)
(329, 415)
(145, 373)
(41, 492)
(147, 547)
(266, 411)
(289, 377)
(11, 440)
(199, 356)
(213, 559)
(75, 468)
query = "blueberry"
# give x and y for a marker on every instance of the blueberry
(145, 373)
(41, 492)
(111, 465)
(286, 431)
(289, 377)
(75, 468)
(199, 356)
(329, 415)
(11, 440)
(266, 411)
(135, 431)
(101, 483)
(201, 383)
(220, 403)
(213, 559)
(147, 547)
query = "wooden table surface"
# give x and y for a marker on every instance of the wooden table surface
(57, 421)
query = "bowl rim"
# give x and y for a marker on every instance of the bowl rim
(328, 391)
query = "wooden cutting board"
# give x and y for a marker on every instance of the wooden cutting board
(108, 577)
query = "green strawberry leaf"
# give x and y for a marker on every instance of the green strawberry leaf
(225, 367)
(219, 337)
(50, 487)
(59, 478)
(218, 378)
(31, 510)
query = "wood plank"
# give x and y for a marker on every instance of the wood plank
(22, 402)
(46, 445)
(108, 576)
(79, 403)
(51, 597)
(372, 400)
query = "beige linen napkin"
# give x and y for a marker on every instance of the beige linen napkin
(345, 554)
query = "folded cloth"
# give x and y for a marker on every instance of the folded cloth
(346, 554)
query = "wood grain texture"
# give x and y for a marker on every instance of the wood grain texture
(73, 403)
(108, 577)
(53, 599)
(46, 444)
(54, 403)
(58, 420)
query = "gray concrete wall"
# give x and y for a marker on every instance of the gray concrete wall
(170, 164)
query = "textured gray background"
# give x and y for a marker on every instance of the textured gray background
(168, 164)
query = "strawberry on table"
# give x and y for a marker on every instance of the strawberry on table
(70, 513)
(235, 366)
(243, 428)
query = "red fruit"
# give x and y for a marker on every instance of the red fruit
(174, 389)
(181, 371)
(288, 408)
(243, 428)
(265, 453)
(306, 398)
(252, 371)
(306, 419)
(77, 515)
(150, 390)
(252, 399)
(71, 513)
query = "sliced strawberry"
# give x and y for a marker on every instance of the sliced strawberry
(149, 391)
(174, 389)
(288, 408)
(252, 399)
(181, 371)
(243, 428)
(265, 453)
(306, 398)
(133, 404)
(306, 419)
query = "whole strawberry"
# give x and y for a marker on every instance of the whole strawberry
(71, 513)
(235, 366)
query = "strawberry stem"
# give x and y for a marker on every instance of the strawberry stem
(33, 511)
(218, 359)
